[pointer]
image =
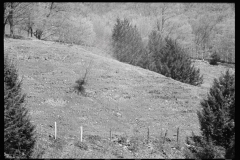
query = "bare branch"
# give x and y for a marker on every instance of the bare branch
(170, 17)
(51, 7)
(21, 8)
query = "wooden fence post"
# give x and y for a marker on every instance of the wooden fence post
(165, 136)
(55, 130)
(177, 134)
(161, 134)
(148, 136)
(110, 134)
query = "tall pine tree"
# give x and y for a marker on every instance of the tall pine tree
(19, 133)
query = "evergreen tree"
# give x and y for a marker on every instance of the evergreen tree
(155, 44)
(164, 56)
(19, 133)
(230, 152)
(218, 115)
(168, 58)
(127, 42)
(217, 120)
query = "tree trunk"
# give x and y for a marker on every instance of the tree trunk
(197, 51)
(4, 29)
(10, 20)
(162, 22)
(158, 25)
(31, 31)
(193, 52)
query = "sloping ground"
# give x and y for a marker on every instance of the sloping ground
(210, 72)
(120, 97)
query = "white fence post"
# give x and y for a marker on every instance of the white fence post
(81, 133)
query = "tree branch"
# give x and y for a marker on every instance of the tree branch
(51, 7)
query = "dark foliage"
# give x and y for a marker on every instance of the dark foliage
(79, 87)
(218, 115)
(127, 42)
(168, 58)
(217, 119)
(200, 148)
(19, 133)
(163, 56)
(215, 58)
(230, 152)
(81, 145)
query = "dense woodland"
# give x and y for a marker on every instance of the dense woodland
(201, 28)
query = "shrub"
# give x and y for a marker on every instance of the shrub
(79, 85)
(80, 82)
(123, 140)
(168, 58)
(199, 148)
(81, 145)
(217, 119)
(214, 59)
(19, 133)
(126, 42)
(134, 144)
(94, 139)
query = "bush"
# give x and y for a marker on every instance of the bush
(126, 42)
(217, 118)
(215, 58)
(19, 133)
(78, 87)
(199, 148)
(134, 144)
(81, 145)
(168, 58)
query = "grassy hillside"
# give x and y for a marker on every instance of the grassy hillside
(120, 97)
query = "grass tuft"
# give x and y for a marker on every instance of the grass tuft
(81, 145)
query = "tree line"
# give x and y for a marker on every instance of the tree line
(202, 27)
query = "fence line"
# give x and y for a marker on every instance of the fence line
(206, 55)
